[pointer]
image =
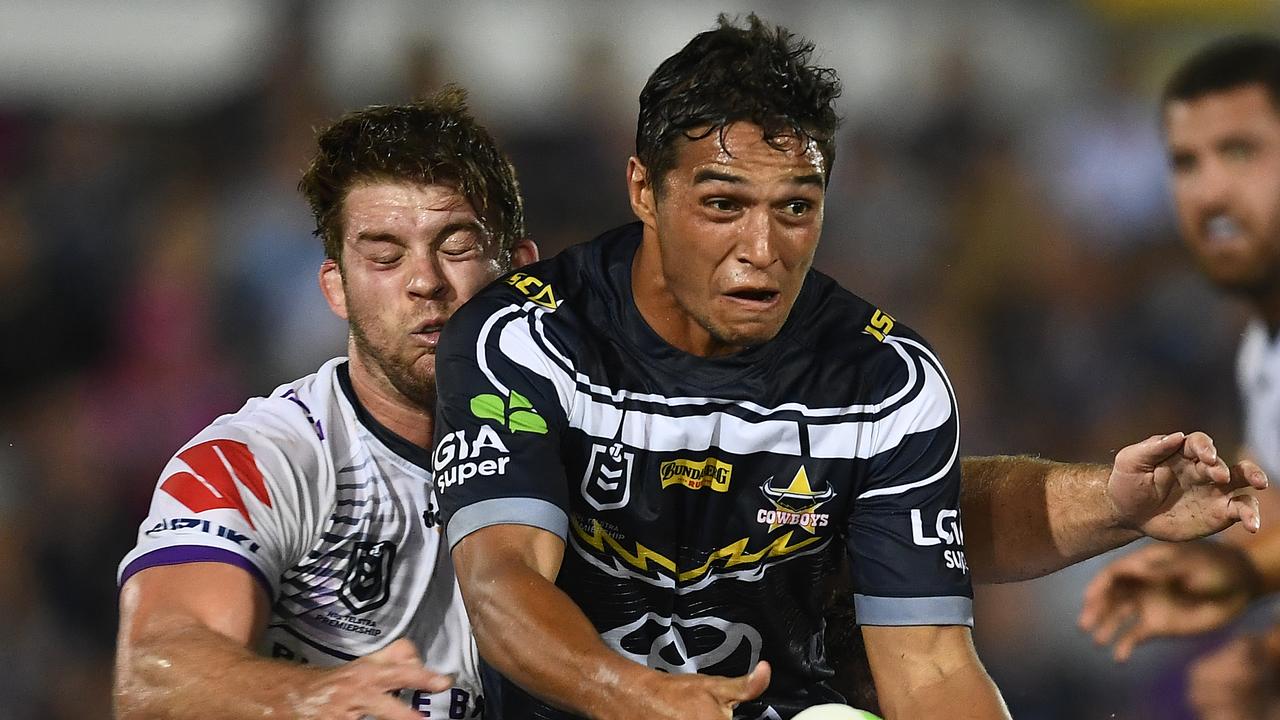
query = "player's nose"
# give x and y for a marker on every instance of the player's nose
(425, 277)
(758, 243)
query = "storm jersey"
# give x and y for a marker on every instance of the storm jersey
(1258, 377)
(335, 516)
(705, 503)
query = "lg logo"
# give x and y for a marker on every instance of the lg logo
(946, 529)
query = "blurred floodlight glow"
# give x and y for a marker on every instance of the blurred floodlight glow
(137, 58)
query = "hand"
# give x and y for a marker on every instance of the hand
(1175, 487)
(697, 697)
(1167, 589)
(362, 688)
(1237, 681)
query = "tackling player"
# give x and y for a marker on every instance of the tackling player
(292, 564)
(655, 448)
(1221, 113)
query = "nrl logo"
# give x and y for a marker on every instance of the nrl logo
(368, 582)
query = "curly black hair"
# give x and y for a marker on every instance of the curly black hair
(1227, 64)
(756, 73)
(432, 141)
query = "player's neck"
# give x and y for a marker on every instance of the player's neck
(388, 406)
(660, 309)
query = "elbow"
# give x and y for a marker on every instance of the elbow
(127, 696)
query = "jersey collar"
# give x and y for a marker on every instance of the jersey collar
(415, 454)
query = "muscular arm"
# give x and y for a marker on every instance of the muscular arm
(930, 672)
(184, 651)
(537, 636)
(1025, 517)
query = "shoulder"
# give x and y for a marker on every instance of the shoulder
(846, 331)
(558, 293)
(284, 438)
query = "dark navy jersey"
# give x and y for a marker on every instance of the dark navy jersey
(704, 502)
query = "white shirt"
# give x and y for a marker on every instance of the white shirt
(304, 490)
(1258, 377)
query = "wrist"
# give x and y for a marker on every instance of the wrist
(625, 686)
(1115, 518)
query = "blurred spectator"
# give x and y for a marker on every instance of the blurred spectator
(156, 264)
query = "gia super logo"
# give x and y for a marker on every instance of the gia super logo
(460, 456)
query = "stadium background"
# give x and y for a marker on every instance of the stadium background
(999, 185)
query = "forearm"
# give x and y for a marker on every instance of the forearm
(965, 693)
(191, 671)
(1025, 517)
(536, 636)
(930, 672)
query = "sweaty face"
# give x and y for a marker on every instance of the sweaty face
(411, 255)
(737, 224)
(1224, 151)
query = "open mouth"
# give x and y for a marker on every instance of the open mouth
(429, 334)
(1222, 228)
(755, 295)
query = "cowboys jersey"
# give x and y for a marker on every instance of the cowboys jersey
(334, 515)
(705, 502)
(1258, 377)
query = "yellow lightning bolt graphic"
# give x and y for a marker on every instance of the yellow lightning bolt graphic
(732, 555)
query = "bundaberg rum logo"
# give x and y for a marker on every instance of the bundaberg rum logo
(696, 474)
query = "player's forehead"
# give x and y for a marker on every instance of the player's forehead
(405, 208)
(1212, 116)
(741, 150)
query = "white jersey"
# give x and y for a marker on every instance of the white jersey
(336, 517)
(1258, 376)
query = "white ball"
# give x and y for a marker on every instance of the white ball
(834, 711)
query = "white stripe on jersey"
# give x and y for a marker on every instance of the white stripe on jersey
(932, 406)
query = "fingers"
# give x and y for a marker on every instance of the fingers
(1110, 622)
(1199, 447)
(401, 650)
(1150, 452)
(1245, 508)
(398, 666)
(1151, 564)
(746, 687)
(1247, 474)
(387, 707)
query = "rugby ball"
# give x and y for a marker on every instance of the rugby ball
(834, 711)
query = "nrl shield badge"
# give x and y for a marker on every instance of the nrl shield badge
(368, 582)
(606, 484)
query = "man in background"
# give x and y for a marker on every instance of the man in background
(292, 563)
(1221, 118)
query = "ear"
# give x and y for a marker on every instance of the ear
(524, 253)
(331, 285)
(641, 192)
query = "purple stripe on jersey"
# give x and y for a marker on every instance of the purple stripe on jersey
(183, 554)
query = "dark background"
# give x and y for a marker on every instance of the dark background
(1000, 186)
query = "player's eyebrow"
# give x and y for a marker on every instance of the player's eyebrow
(471, 225)
(810, 179)
(709, 175)
(378, 236)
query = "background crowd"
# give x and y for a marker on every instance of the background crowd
(999, 185)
